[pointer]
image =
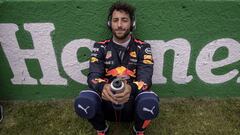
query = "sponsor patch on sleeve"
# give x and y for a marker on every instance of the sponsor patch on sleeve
(133, 54)
(147, 57)
(109, 54)
(93, 59)
(141, 85)
(94, 54)
(147, 62)
(148, 50)
(95, 49)
(99, 80)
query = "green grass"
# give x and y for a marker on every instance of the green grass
(177, 117)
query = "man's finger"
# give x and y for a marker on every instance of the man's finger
(104, 97)
(107, 95)
(119, 95)
(111, 94)
(124, 100)
(122, 97)
(122, 94)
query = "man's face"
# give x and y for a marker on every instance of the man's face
(121, 23)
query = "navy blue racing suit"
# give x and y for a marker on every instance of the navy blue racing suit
(109, 60)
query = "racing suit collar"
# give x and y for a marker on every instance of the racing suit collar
(125, 44)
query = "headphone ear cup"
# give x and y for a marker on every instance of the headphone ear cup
(109, 24)
(134, 25)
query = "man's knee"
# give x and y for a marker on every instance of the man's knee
(147, 105)
(87, 104)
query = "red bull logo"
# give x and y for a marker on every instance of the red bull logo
(121, 71)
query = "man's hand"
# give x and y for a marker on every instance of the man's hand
(108, 95)
(123, 97)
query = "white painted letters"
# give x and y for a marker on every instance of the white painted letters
(205, 63)
(70, 62)
(182, 51)
(43, 51)
(14, 54)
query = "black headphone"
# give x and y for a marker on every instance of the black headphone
(132, 27)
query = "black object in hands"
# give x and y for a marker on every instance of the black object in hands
(117, 86)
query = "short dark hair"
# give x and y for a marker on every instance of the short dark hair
(124, 7)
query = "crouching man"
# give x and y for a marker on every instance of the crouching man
(120, 77)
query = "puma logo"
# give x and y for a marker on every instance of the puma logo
(84, 109)
(149, 110)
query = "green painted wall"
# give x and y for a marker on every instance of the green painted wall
(196, 23)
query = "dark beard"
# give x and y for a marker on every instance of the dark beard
(121, 37)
